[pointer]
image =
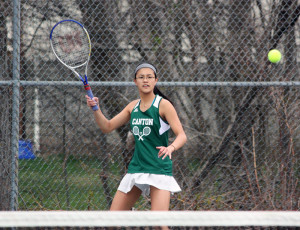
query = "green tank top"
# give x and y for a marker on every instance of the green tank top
(149, 131)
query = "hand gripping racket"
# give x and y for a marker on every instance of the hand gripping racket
(71, 45)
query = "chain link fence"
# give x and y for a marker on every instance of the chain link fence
(241, 113)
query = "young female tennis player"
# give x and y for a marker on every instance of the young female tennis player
(151, 117)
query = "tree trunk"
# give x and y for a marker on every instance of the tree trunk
(5, 112)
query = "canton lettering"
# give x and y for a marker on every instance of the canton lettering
(142, 121)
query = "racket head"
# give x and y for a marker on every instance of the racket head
(146, 131)
(135, 130)
(70, 43)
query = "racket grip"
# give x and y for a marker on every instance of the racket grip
(90, 94)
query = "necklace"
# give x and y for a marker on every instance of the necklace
(144, 105)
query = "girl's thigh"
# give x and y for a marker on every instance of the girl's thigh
(160, 199)
(125, 201)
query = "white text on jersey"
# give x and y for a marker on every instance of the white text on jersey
(142, 121)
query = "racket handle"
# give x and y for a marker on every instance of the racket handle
(90, 94)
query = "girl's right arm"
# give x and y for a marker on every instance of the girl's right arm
(106, 125)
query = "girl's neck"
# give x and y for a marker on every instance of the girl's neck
(147, 99)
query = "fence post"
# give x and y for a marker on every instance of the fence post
(15, 106)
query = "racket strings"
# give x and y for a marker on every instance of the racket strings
(71, 44)
(146, 131)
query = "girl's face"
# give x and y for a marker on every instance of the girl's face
(145, 80)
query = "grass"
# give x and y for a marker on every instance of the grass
(44, 185)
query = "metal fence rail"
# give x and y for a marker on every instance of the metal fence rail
(240, 112)
(178, 84)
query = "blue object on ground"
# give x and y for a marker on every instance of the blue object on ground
(25, 150)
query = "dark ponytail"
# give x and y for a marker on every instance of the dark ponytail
(156, 91)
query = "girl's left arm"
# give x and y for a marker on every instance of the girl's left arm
(168, 112)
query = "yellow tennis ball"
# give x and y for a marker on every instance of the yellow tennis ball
(274, 56)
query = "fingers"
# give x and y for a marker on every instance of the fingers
(91, 102)
(96, 99)
(165, 151)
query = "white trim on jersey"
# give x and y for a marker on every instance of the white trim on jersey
(137, 104)
(157, 100)
(164, 127)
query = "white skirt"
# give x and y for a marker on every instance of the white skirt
(144, 180)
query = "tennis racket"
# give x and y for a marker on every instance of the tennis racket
(71, 45)
(146, 132)
(136, 131)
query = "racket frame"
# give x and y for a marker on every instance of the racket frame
(84, 80)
